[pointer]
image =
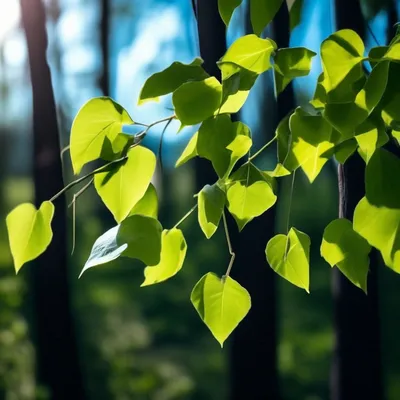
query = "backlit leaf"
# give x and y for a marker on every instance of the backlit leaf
(289, 256)
(221, 304)
(123, 186)
(194, 102)
(189, 152)
(173, 252)
(211, 203)
(262, 12)
(29, 231)
(168, 80)
(98, 119)
(148, 204)
(249, 194)
(343, 247)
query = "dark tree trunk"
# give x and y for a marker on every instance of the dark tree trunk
(356, 369)
(104, 42)
(57, 357)
(253, 346)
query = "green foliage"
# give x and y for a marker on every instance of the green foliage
(352, 111)
(211, 203)
(221, 303)
(171, 78)
(343, 247)
(122, 187)
(29, 231)
(289, 256)
(97, 124)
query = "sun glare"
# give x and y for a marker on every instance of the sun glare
(9, 17)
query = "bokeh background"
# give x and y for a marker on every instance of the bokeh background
(148, 343)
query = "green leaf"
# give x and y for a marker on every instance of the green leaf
(289, 256)
(137, 237)
(99, 119)
(221, 304)
(173, 252)
(168, 80)
(223, 142)
(211, 203)
(344, 150)
(249, 194)
(29, 231)
(370, 135)
(380, 226)
(391, 99)
(148, 204)
(295, 12)
(189, 152)
(226, 9)
(262, 12)
(250, 52)
(377, 53)
(311, 140)
(291, 63)
(342, 55)
(123, 186)
(194, 102)
(345, 248)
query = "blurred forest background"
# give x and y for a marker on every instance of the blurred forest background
(148, 343)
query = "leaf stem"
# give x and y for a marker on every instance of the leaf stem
(228, 241)
(262, 149)
(142, 134)
(185, 216)
(290, 202)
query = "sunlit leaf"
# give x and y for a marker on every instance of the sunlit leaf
(137, 237)
(250, 52)
(98, 119)
(194, 102)
(29, 231)
(289, 256)
(148, 204)
(343, 247)
(345, 149)
(168, 80)
(262, 12)
(123, 186)
(221, 303)
(173, 252)
(291, 63)
(211, 203)
(223, 142)
(189, 152)
(249, 194)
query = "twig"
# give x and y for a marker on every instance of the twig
(262, 149)
(228, 241)
(185, 216)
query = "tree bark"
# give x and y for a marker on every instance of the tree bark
(58, 366)
(356, 368)
(105, 48)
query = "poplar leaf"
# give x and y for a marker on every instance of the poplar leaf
(221, 303)
(343, 247)
(289, 256)
(123, 186)
(211, 203)
(168, 80)
(194, 102)
(173, 252)
(148, 204)
(249, 194)
(189, 152)
(250, 52)
(262, 12)
(29, 231)
(99, 119)
(226, 9)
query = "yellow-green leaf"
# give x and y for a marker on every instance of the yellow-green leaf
(249, 194)
(211, 203)
(148, 204)
(189, 152)
(123, 186)
(289, 256)
(343, 247)
(173, 252)
(221, 303)
(29, 231)
(99, 119)
(194, 102)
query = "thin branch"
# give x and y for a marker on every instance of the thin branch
(262, 149)
(228, 241)
(185, 216)
(372, 34)
(290, 202)
(161, 144)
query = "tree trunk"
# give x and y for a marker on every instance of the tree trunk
(57, 357)
(356, 369)
(105, 48)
